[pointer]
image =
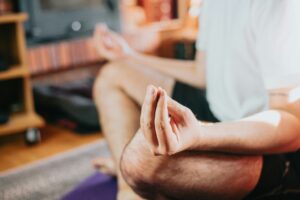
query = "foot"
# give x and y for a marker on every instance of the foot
(105, 165)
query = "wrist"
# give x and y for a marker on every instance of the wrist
(199, 141)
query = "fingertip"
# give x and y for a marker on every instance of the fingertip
(154, 92)
(159, 91)
(150, 89)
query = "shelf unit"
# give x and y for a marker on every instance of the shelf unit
(13, 50)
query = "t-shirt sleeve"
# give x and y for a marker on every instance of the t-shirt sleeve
(202, 35)
(278, 44)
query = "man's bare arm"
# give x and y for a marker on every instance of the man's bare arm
(191, 72)
(112, 46)
(170, 128)
(273, 131)
(265, 133)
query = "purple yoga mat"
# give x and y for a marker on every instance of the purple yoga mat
(95, 187)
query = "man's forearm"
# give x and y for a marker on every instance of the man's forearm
(185, 71)
(265, 133)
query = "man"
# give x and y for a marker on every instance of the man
(244, 48)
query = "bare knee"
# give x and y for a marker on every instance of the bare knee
(138, 169)
(106, 77)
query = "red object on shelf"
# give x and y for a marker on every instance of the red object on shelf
(5, 6)
(158, 10)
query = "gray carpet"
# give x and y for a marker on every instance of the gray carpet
(53, 177)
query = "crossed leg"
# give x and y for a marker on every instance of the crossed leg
(188, 175)
(119, 92)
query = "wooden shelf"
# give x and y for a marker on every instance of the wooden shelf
(14, 72)
(13, 50)
(21, 121)
(11, 18)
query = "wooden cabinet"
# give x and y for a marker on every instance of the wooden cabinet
(15, 82)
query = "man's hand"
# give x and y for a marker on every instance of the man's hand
(168, 127)
(109, 44)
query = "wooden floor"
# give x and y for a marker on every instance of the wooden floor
(15, 153)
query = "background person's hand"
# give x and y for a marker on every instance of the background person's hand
(109, 44)
(168, 127)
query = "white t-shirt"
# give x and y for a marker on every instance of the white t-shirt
(251, 46)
